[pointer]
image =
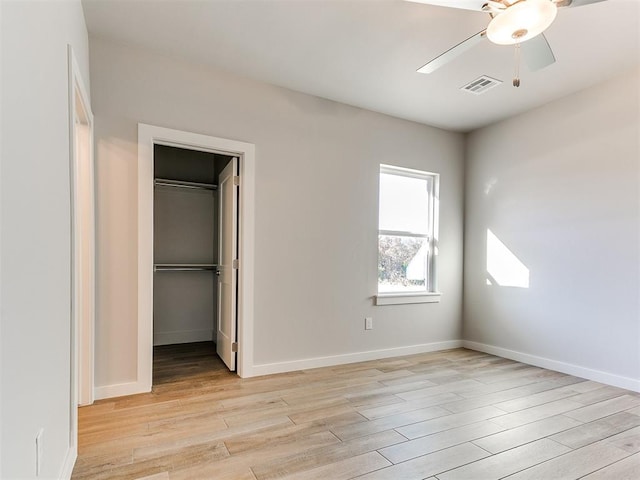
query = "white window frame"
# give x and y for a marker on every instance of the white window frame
(431, 293)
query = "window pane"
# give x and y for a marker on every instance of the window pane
(404, 204)
(402, 264)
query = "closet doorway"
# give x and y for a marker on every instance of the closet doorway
(195, 254)
(195, 247)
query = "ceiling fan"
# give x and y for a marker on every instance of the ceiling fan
(513, 22)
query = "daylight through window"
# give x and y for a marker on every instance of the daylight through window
(406, 230)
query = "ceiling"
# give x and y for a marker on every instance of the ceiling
(366, 52)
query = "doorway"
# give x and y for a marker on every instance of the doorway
(195, 256)
(243, 180)
(82, 203)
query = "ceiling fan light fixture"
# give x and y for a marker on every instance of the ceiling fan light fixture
(522, 21)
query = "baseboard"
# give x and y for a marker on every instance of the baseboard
(69, 463)
(569, 368)
(317, 362)
(120, 390)
(182, 336)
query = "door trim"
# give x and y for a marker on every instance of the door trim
(82, 329)
(148, 136)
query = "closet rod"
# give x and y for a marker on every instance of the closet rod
(165, 182)
(184, 267)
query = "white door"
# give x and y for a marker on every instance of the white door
(227, 271)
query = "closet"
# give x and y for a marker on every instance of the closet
(185, 247)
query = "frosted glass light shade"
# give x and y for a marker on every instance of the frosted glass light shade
(522, 21)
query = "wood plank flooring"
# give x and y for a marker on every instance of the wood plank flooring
(449, 415)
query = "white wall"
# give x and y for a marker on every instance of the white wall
(35, 242)
(559, 186)
(316, 205)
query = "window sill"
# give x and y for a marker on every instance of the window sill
(406, 298)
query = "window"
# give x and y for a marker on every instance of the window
(407, 234)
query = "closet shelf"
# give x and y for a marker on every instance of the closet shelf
(183, 267)
(165, 182)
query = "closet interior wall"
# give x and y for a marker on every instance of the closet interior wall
(185, 246)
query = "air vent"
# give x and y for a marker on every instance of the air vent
(481, 85)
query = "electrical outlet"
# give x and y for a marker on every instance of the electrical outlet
(39, 452)
(368, 323)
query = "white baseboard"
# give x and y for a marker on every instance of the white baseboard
(182, 336)
(69, 463)
(120, 390)
(307, 363)
(569, 368)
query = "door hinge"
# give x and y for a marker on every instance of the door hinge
(236, 263)
(234, 347)
(236, 180)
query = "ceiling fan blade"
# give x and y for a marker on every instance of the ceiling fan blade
(464, 4)
(452, 53)
(496, 5)
(537, 53)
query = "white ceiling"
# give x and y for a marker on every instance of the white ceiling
(366, 52)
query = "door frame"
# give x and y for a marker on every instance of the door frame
(148, 136)
(82, 329)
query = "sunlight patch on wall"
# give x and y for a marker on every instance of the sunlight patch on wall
(504, 269)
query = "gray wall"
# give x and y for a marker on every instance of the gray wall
(559, 186)
(185, 231)
(317, 167)
(36, 240)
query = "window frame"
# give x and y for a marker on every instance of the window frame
(430, 294)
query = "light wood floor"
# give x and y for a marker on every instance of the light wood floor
(448, 415)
